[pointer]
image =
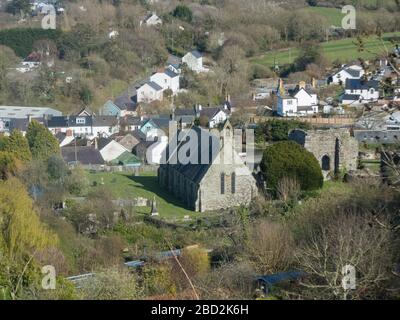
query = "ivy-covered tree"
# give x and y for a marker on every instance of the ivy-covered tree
(288, 159)
(17, 145)
(42, 143)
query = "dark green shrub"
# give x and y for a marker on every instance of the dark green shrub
(289, 159)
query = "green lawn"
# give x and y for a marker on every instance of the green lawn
(126, 186)
(344, 50)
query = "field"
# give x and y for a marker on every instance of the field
(333, 16)
(127, 187)
(345, 50)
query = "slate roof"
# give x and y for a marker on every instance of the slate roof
(170, 73)
(211, 112)
(105, 121)
(124, 102)
(353, 72)
(359, 84)
(22, 124)
(153, 85)
(196, 54)
(196, 172)
(354, 97)
(102, 142)
(87, 155)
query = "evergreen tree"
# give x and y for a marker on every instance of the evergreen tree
(42, 143)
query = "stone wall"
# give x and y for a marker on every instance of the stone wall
(335, 147)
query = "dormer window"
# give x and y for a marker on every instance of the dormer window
(80, 120)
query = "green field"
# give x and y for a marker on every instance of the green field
(345, 50)
(333, 16)
(126, 186)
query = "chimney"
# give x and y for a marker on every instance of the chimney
(228, 97)
(69, 133)
(96, 146)
(314, 83)
(29, 118)
(200, 107)
(302, 85)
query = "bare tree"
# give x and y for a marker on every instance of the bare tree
(348, 239)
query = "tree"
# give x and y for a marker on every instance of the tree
(22, 234)
(9, 165)
(111, 284)
(289, 159)
(15, 6)
(41, 142)
(270, 247)
(17, 145)
(183, 12)
(346, 239)
(309, 53)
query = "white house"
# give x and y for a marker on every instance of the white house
(301, 101)
(358, 91)
(194, 61)
(110, 149)
(347, 72)
(149, 92)
(86, 126)
(151, 20)
(167, 80)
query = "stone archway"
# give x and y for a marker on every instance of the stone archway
(326, 163)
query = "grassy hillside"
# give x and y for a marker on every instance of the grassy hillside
(344, 50)
(334, 16)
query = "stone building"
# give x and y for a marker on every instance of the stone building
(214, 178)
(335, 149)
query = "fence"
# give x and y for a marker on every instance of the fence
(134, 170)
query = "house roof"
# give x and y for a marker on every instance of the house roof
(22, 124)
(359, 84)
(211, 112)
(153, 85)
(103, 142)
(127, 159)
(170, 73)
(85, 155)
(353, 72)
(196, 54)
(104, 121)
(196, 172)
(19, 112)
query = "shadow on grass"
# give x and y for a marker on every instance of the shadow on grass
(150, 183)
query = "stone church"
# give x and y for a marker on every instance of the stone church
(335, 149)
(215, 178)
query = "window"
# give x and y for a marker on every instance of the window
(289, 102)
(80, 120)
(326, 163)
(222, 183)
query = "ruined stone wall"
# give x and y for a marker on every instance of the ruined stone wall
(336, 144)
